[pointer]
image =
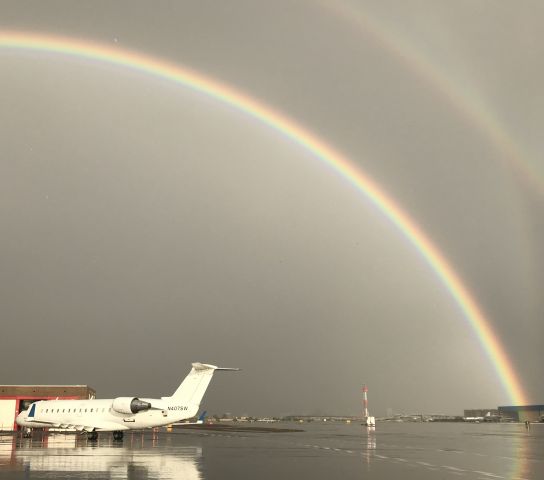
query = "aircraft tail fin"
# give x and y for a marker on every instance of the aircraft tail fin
(193, 388)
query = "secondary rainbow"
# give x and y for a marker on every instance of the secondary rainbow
(460, 96)
(307, 140)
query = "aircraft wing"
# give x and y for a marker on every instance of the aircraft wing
(84, 427)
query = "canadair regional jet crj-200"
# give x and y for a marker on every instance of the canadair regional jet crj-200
(122, 413)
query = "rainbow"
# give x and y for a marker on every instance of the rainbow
(459, 96)
(307, 140)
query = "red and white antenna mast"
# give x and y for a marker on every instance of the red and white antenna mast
(367, 419)
(365, 402)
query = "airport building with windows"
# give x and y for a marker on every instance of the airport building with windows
(522, 413)
(17, 398)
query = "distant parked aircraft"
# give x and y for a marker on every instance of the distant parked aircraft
(487, 418)
(202, 417)
(199, 421)
(122, 413)
(473, 419)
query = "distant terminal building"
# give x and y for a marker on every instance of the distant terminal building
(481, 412)
(16, 398)
(522, 413)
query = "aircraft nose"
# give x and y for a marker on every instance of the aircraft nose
(21, 417)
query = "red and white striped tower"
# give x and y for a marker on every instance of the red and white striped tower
(365, 402)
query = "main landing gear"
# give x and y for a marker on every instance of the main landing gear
(118, 435)
(93, 436)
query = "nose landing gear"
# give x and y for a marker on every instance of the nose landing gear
(118, 435)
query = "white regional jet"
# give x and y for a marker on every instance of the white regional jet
(122, 413)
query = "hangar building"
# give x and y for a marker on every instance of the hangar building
(522, 413)
(16, 398)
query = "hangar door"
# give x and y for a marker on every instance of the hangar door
(7, 414)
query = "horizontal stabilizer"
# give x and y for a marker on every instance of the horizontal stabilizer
(204, 366)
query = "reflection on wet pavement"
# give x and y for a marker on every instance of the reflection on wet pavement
(139, 456)
(390, 451)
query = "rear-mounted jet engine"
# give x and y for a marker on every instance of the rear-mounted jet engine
(130, 405)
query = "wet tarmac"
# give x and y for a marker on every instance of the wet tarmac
(321, 451)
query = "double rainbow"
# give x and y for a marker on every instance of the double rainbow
(307, 140)
(460, 97)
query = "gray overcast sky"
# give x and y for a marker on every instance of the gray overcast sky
(145, 226)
